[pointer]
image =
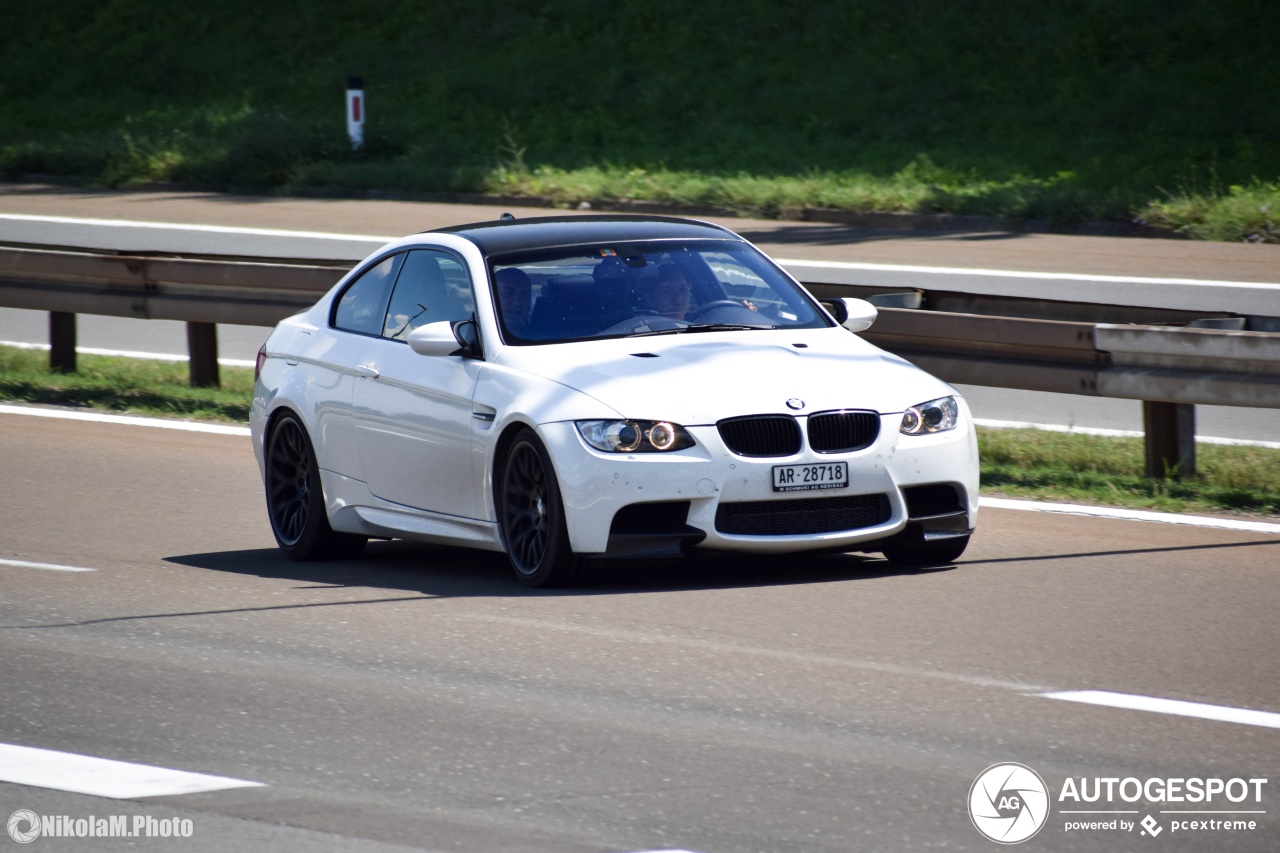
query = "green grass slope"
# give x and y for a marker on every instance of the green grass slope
(1063, 109)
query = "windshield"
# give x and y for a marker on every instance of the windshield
(623, 290)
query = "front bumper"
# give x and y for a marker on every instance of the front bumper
(606, 494)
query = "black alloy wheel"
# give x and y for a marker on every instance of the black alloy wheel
(295, 498)
(531, 514)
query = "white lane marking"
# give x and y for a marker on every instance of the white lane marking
(1048, 276)
(102, 777)
(119, 353)
(125, 420)
(1117, 433)
(177, 226)
(48, 567)
(1221, 713)
(1133, 515)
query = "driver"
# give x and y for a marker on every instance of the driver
(669, 295)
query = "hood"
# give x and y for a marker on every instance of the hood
(701, 378)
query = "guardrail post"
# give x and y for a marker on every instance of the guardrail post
(62, 342)
(202, 346)
(1170, 439)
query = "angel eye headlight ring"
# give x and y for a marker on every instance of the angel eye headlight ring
(662, 436)
(634, 436)
(934, 416)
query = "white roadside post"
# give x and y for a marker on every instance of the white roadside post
(355, 111)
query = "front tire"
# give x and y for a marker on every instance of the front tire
(531, 515)
(295, 498)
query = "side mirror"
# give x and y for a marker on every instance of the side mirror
(859, 314)
(434, 339)
(456, 337)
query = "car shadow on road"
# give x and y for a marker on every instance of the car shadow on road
(445, 572)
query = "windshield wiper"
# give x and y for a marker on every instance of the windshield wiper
(702, 327)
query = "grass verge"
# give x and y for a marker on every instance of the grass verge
(1015, 463)
(1101, 470)
(155, 388)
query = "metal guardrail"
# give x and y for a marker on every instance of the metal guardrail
(1170, 368)
(201, 292)
(1134, 362)
(161, 288)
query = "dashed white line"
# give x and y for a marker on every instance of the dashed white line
(48, 567)
(1153, 704)
(103, 777)
(125, 420)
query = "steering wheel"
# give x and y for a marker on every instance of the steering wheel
(720, 303)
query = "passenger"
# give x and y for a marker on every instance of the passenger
(515, 299)
(669, 295)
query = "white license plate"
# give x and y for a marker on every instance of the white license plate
(800, 478)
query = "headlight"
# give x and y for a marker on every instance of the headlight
(934, 416)
(634, 436)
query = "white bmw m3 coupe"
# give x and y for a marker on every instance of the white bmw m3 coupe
(571, 388)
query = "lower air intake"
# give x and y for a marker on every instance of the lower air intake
(802, 517)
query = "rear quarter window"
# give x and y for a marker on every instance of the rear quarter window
(362, 304)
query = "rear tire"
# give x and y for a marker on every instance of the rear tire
(531, 516)
(295, 498)
(935, 553)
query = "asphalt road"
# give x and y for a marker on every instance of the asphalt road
(418, 698)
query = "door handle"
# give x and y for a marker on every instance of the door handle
(367, 370)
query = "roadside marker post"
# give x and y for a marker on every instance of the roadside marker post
(355, 111)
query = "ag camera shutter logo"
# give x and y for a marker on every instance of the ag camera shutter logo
(1008, 803)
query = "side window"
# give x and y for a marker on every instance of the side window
(360, 307)
(433, 286)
